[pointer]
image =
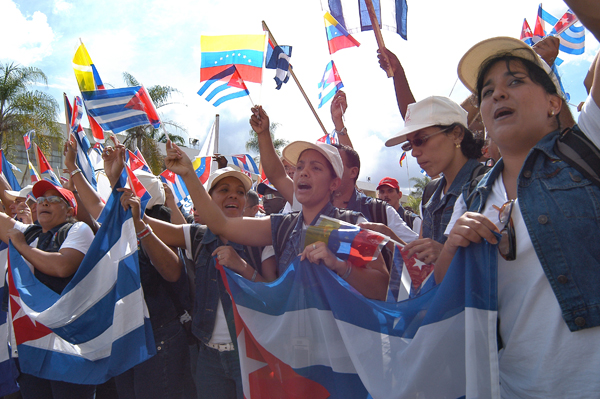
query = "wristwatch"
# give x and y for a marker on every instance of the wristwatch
(342, 132)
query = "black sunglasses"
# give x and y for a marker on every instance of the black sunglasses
(508, 242)
(419, 141)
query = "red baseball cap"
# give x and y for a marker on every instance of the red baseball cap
(389, 181)
(42, 186)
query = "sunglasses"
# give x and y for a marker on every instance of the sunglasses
(508, 242)
(52, 199)
(419, 141)
(271, 196)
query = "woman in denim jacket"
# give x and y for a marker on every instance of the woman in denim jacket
(545, 210)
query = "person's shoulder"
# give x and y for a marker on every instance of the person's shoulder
(80, 228)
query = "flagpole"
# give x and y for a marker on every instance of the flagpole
(216, 148)
(378, 35)
(266, 28)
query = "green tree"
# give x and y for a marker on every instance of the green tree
(252, 143)
(22, 109)
(413, 203)
(146, 137)
(419, 186)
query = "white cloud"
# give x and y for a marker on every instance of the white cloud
(30, 38)
(62, 6)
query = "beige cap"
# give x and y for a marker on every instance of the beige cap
(222, 173)
(432, 111)
(13, 195)
(476, 56)
(153, 185)
(292, 152)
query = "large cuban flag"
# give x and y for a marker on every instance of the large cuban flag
(8, 370)
(310, 334)
(99, 326)
(117, 110)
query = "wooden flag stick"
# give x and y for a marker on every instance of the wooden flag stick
(378, 36)
(266, 29)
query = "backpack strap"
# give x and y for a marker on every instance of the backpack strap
(284, 230)
(576, 149)
(430, 189)
(378, 211)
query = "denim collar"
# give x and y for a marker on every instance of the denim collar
(463, 176)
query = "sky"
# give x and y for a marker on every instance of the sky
(158, 42)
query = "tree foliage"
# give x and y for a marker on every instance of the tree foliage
(146, 137)
(23, 109)
(279, 144)
(419, 186)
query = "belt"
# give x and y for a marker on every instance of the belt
(222, 347)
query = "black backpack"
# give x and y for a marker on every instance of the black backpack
(576, 149)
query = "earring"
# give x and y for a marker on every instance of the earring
(552, 113)
(457, 145)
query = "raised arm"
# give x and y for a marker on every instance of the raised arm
(404, 95)
(246, 231)
(86, 193)
(4, 186)
(338, 109)
(271, 163)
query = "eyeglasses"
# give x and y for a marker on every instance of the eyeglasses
(271, 196)
(419, 141)
(508, 242)
(52, 199)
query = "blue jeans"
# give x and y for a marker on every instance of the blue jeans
(218, 374)
(165, 375)
(33, 387)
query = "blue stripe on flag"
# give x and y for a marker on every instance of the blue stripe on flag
(242, 57)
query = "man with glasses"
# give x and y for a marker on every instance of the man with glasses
(273, 202)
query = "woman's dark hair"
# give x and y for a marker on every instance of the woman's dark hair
(470, 145)
(535, 72)
(329, 165)
(160, 212)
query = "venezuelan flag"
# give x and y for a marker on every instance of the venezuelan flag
(202, 168)
(246, 52)
(337, 36)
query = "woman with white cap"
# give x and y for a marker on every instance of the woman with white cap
(547, 214)
(435, 130)
(318, 174)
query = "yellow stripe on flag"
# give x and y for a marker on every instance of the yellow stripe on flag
(232, 42)
(82, 65)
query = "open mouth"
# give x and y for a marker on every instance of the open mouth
(502, 112)
(231, 206)
(303, 186)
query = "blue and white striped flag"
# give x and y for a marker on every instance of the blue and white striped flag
(99, 326)
(330, 83)
(8, 370)
(278, 58)
(83, 144)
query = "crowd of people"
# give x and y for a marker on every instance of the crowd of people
(510, 187)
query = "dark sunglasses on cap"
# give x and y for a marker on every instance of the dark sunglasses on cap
(419, 141)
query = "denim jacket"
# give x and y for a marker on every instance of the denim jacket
(209, 285)
(561, 210)
(438, 211)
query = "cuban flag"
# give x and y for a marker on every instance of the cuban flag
(391, 15)
(202, 166)
(223, 86)
(572, 38)
(99, 326)
(178, 188)
(8, 370)
(46, 171)
(136, 162)
(526, 33)
(278, 58)
(329, 138)
(27, 138)
(121, 109)
(330, 83)
(310, 334)
(409, 277)
(83, 144)
(139, 155)
(95, 156)
(244, 162)
(7, 171)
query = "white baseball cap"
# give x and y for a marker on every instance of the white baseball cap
(292, 152)
(476, 56)
(222, 173)
(153, 185)
(432, 111)
(13, 195)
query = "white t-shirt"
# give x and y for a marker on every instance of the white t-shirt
(589, 120)
(398, 225)
(79, 237)
(541, 357)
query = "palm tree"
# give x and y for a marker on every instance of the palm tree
(419, 186)
(22, 109)
(146, 137)
(252, 143)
